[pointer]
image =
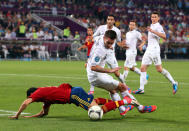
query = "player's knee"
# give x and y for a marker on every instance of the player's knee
(159, 70)
(122, 87)
(132, 69)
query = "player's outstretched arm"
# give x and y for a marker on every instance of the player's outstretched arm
(42, 113)
(82, 47)
(22, 108)
(97, 68)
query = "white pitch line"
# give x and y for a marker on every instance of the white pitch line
(80, 78)
(10, 113)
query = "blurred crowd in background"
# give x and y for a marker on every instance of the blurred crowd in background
(174, 18)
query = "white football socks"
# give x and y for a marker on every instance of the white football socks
(168, 76)
(125, 73)
(116, 97)
(143, 80)
(137, 70)
(126, 93)
(92, 88)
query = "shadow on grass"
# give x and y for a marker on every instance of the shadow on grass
(134, 118)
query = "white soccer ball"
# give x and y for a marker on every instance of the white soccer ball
(95, 113)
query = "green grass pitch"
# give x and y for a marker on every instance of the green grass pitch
(16, 76)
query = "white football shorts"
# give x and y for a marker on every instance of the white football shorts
(106, 82)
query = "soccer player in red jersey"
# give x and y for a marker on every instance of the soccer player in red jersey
(88, 44)
(65, 93)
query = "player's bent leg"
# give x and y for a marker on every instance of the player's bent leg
(168, 76)
(102, 101)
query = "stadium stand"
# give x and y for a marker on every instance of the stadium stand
(34, 23)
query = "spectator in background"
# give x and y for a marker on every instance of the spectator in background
(40, 33)
(47, 36)
(2, 31)
(54, 10)
(34, 34)
(8, 34)
(66, 32)
(22, 30)
(56, 38)
(77, 38)
(28, 35)
(13, 33)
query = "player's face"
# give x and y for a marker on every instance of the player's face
(110, 21)
(154, 18)
(108, 42)
(89, 31)
(132, 25)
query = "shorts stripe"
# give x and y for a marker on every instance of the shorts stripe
(80, 100)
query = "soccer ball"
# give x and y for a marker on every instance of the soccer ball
(95, 113)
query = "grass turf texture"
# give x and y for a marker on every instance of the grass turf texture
(17, 76)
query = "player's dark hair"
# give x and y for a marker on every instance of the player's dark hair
(31, 90)
(89, 27)
(133, 21)
(111, 34)
(110, 15)
(156, 13)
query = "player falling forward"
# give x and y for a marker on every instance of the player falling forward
(65, 93)
(132, 38)
(111, 59)
(152, 54)
(97, 74)
(88, 44)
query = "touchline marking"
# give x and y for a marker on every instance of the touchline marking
(80, 78)
(10, 113)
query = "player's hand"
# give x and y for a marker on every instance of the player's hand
(149, 29)
(78, 49)
(140, 47)
(115, 69)
(125, 47)
(13, 117)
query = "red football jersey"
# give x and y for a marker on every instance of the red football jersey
(52, 95)
(89, 46)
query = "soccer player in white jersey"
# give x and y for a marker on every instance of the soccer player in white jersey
(152, 54)
(97, 74)
(132, 38)
(111, 59)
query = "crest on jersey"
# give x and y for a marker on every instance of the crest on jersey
(97, 59)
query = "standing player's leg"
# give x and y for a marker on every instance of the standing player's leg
(159, 68)
(167, 75)
(112, 63)
(91, 91)
(146, 61)
(107, 82)
(126, 95)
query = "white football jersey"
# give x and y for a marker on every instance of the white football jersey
(103, 28)
(97, 57)
(153, 39)
(131, 41)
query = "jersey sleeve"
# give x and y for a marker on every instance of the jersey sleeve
(97, 33)
(119, 36)
(36, 96)
(160, 29)
(139, 36)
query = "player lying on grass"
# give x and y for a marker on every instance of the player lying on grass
(65, 93)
